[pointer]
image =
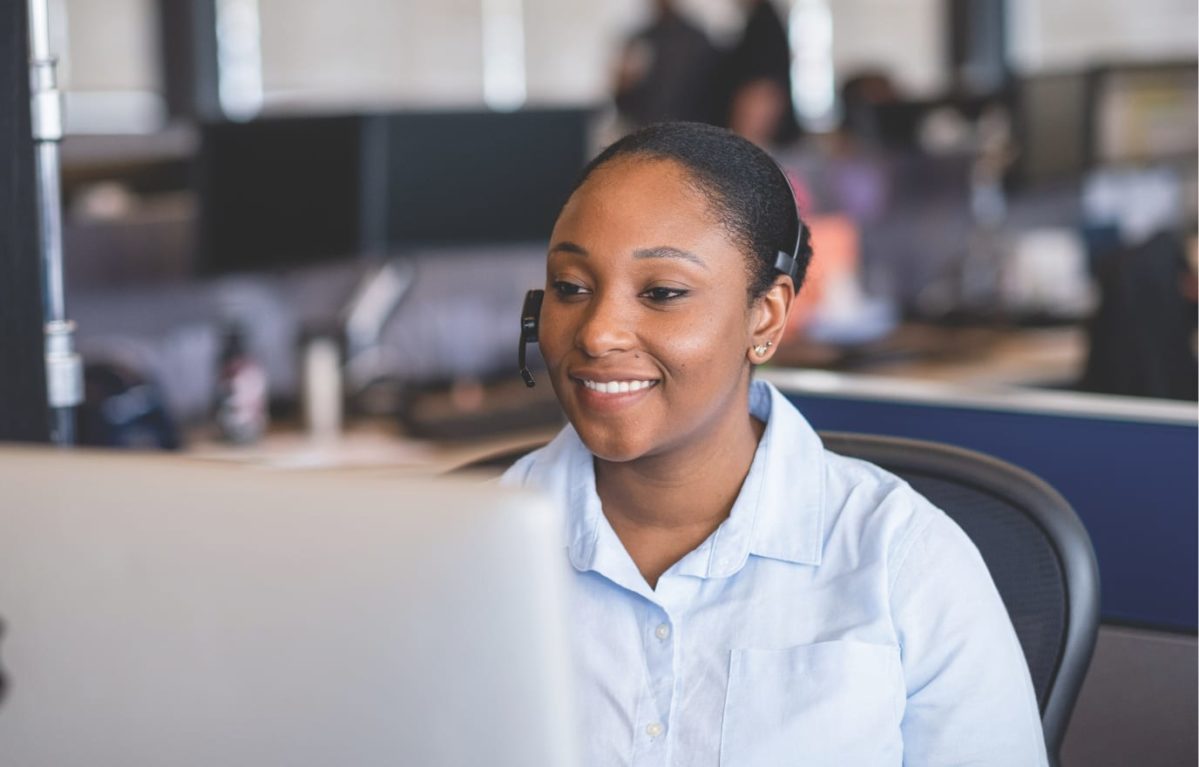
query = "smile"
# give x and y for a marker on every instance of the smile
(617, 387)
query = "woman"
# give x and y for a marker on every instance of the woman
(743, 596)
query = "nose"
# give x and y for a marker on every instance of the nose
(606, 327)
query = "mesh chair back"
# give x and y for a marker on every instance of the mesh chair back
(1034, 545)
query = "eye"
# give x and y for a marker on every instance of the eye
(662, 295)
(565, 289)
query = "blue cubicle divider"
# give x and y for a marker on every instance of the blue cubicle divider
(1133, 484)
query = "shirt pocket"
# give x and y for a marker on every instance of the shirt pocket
(830, 703)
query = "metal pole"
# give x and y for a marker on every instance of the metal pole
(64, 371)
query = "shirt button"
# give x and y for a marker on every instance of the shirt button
(662, 632)
(653, 730)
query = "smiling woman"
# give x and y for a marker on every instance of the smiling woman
(744, 596)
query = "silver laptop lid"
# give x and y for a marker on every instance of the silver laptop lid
(159, 612)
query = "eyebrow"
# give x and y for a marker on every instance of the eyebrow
(661, 251)
(567, 246)
(665, 251)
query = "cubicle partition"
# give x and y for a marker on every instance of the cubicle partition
(1129, 468)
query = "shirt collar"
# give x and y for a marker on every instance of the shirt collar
(789, 522)
(779, 513)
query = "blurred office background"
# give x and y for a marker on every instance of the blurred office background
(299, 232)
(1001, 191)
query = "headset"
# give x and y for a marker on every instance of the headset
(784, 263)
(530, 318)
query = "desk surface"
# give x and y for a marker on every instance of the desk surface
(369, 446)
(1035, 357)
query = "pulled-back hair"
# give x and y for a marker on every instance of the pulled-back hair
(745, 190)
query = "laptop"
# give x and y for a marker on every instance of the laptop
(163, 611)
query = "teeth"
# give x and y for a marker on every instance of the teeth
(617, 387)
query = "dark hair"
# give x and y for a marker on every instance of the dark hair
(744, 187)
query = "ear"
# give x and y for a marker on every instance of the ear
(768, 319)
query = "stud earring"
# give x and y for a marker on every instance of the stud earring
(761, 349)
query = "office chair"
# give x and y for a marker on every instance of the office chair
(1034, 545)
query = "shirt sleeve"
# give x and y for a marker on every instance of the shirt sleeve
(970, 699)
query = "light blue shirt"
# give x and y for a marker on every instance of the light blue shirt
(835, 618)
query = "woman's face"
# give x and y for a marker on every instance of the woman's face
(646, 325)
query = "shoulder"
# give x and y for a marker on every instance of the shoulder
(859, 511)
(884, 513)
(936, 580)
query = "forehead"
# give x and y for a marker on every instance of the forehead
(639, 199)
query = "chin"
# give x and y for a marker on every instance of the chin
(609, 444)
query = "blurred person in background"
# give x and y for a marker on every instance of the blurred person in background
(1142, 334)
(861, 93)
(665, 71)
(755, 80)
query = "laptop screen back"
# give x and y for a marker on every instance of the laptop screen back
(160, 612)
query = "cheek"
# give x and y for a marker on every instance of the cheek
(553, 333)
(704, 339)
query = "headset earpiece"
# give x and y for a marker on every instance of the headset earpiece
(530, 317)
(788, 263)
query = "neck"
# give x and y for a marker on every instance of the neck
(663, 506)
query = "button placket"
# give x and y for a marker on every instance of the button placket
(659, 651)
